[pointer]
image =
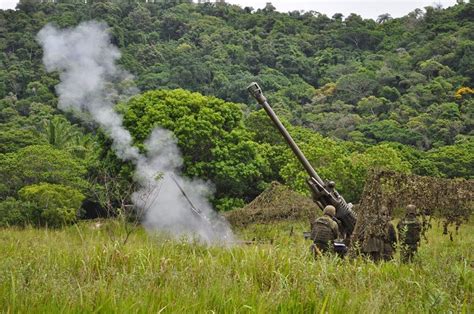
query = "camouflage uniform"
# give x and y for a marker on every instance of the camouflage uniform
(409, 229)
(389, 241)
(373, 247)
(323, 232)
(382, 246)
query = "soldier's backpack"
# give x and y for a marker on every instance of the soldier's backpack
(321, 230)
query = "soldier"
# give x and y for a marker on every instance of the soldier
(324, 231)
(373, 247)
(409, 229)
(381, 244)
(390, 236)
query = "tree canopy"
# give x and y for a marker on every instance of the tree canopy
(355, 93)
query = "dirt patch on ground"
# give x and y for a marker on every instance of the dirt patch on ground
(452, 200)
(276, 203)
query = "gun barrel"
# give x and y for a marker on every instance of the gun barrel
(256, 92)
(324, 194)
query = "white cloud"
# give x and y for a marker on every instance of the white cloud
(8, 4)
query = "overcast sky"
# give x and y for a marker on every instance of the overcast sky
(365, 8)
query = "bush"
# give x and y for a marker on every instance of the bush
(56, 204)
(39, 163)
(229, 203)
(16, 212)
(59, 216)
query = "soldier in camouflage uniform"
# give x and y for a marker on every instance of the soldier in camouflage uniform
(324, 231)
(373, 247)
(409, 229)
(389, 237)
(381, 244)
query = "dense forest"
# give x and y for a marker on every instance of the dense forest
(355, 93)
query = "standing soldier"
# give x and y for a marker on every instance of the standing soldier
(373, 246)
(324, 231)
(381, 242)
(409, 229)
(390, 236)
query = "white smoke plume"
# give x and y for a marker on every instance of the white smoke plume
(86, 61)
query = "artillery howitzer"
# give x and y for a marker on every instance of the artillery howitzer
(323, 191)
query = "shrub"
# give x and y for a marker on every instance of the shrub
(16, 212)
(40, 163)
(56, 204)
(59, 216)
(229, 203)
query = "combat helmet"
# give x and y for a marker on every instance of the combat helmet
(411, 209)
(329, 210)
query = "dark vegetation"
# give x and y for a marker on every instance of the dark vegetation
(356, 94)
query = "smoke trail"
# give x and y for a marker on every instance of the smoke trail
(90, 81)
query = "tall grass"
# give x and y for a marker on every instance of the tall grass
(83, 269)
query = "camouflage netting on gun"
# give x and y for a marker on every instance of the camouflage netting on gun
(276, 203)
(452, 200)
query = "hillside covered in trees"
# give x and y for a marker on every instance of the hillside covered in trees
(355, 93)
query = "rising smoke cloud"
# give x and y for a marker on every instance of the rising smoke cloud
(91, 83)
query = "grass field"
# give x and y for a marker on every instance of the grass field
(83, 269)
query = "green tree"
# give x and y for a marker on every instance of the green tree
(12, 139)
(454, 160)
(40, 163)
(381, 156)
(373, 106)
(54, 204)
(14, 212)
(210, 134)
(391, 131)
(59, 133)
(352, 87)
